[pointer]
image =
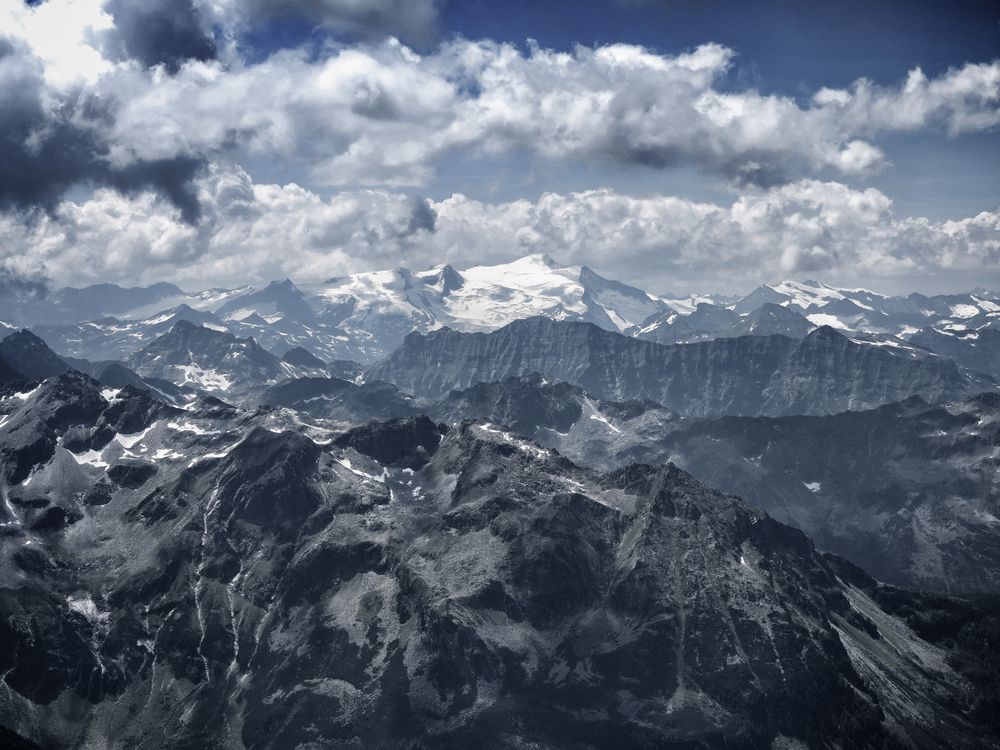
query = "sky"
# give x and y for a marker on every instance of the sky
(678, 145)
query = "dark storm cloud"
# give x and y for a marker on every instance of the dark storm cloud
(159, 32)
(422, 216)
(48, 150)
(172, 178)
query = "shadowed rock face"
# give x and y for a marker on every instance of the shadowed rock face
(400, 442)
(974, 349)
(340, 400)
(28, 355)
(29, 435)
(397, 585)
(909, 490)
(10, 378)
(757, 375)
(523, 404)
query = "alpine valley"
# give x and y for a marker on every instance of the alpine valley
(513, 506)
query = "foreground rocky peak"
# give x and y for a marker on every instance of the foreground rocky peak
(463, 585)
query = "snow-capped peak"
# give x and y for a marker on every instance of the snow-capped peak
(807, 294)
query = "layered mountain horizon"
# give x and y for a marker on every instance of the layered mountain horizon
(364, 316)
(436, 375)
(408, 507)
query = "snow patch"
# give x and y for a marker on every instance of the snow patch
(83, 604)
(91, 457)
(346, 463)
(205, 378)
(825, 319)
(128, 441)
(189, 427)
(166, 454)
(27, 394)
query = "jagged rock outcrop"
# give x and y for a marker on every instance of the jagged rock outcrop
(212, 361)
(333, 398)
(908, 491)
(30, 356)
(262, 589)
(754, 375)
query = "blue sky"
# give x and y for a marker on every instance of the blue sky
(794, 48)
(688, 144)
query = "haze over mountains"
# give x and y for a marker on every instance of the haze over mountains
(365, 316)
(406, 507)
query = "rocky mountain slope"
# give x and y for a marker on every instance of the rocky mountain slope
(26, 354)
(214, 362)
(222, 578)
(713, 321)
(973, 349)
(114, 339)
(340, 400)
(909, 491)
(758, 375)
(864, 310)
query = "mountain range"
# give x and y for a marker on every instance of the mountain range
(908, 491)
(363, 317)
(503, 507)
(213, 576)
(822, 373)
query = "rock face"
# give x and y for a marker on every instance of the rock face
(908, 491)
(277, 298)
(710, 321)
(210, 360)
(299, 357)
(969, 348)
(770, 319)
(340, 400)
(759, 375)
(9, 376)
(25, 353)
(474, 590)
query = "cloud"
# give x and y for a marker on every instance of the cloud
(20, 282)
(62, 35)
(656, 242)
(158, 32)
(101, 102)
(49, 144)
(383, 115)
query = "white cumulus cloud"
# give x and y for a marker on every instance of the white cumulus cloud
(256, 232)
